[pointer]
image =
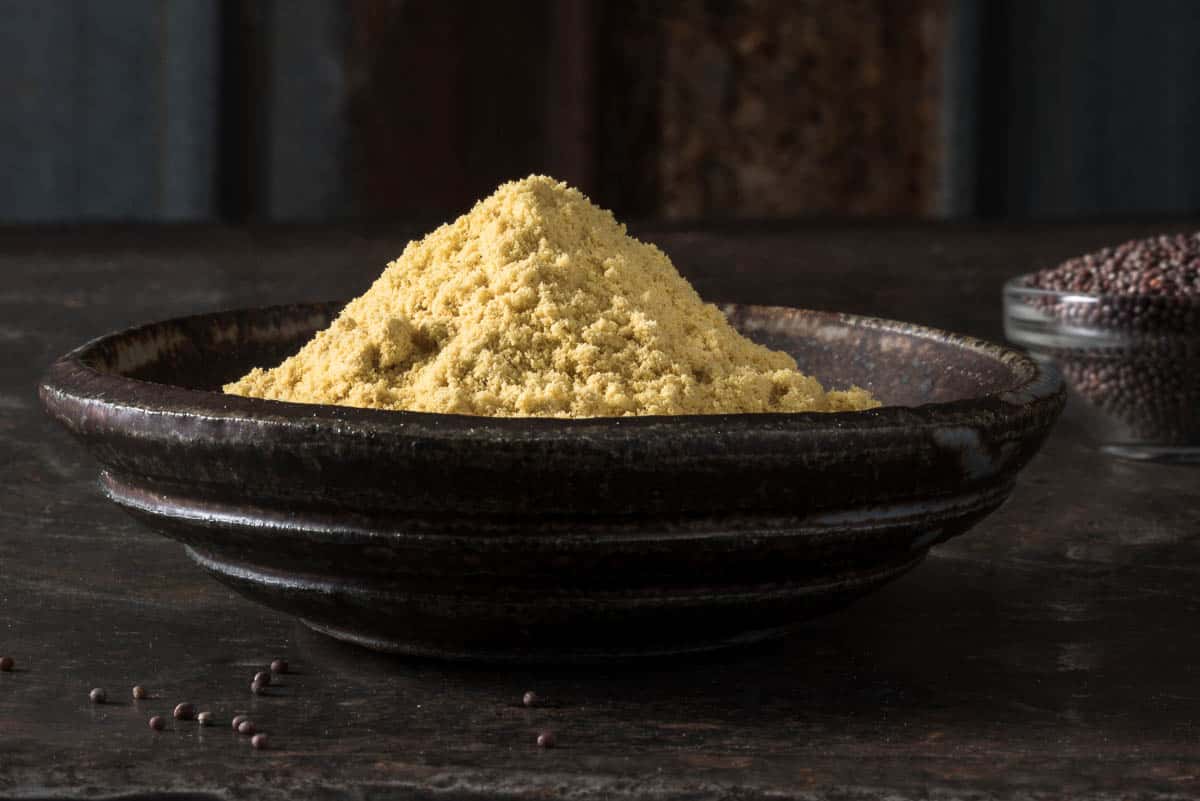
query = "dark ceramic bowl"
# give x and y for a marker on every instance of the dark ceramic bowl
(542, 539)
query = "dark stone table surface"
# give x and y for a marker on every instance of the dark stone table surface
(1053, 652)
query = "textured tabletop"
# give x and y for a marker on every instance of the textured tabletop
(1052, 652)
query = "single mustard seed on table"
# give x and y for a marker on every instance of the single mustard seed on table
(259, 741)
(262, 677)
(139, 692)
(546, 740)
(7, 663)
(97, 696)
(184, 711)
(531, 699)
(279, 666)
(246, 727)
(157, 723)
(204, 718)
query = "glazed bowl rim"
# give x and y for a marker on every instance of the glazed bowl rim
(72, 377)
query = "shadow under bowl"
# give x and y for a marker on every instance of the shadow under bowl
(555, 540)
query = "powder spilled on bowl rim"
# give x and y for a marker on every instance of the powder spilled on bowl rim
(538, 304)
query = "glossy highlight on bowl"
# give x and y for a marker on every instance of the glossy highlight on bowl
(522, 539)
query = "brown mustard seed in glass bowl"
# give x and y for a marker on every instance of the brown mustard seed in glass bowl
(1157, 267)
(1123, 326)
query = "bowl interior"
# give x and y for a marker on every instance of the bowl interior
(902, 365)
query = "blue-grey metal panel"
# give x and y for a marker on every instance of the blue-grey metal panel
(1104, 112)
(305, 163)
(109, 109)
(39, 117)
(121, 115)
(190, 84)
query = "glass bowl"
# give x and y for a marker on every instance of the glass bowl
(1131, 362)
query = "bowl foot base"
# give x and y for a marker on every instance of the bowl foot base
(555, 624)
(549, 655)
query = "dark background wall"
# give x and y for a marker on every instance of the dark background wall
(108, 109)
(322, 109)
(1090, 107)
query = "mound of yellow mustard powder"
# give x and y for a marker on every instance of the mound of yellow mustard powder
(537, 303)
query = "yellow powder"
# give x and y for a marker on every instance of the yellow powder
(537, 303)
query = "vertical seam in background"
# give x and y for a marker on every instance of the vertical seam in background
(264, 98)
(79, 111)
(961, 83)
(993, 121)
(162, 151)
